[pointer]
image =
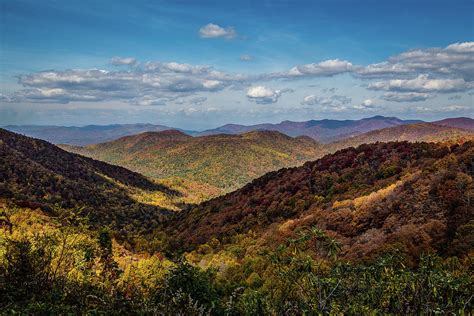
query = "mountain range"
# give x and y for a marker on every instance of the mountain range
(222, 163)
(320, 130)
(382, 222)
(202, 167)
(90, 134)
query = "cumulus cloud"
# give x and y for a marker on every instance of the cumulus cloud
(214, 31)
(148, 84)
(367, 104)
(414, 75)
(406, 96)
(119, 61)
(315, 100)
(455, 60)
(422, 83)
(325, 68)
(264, 95)
(335, 103)
(455, 108)
(246, 57)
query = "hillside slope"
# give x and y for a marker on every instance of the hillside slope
(466, 123)
(417, 195)
(420, 132)
(225, 162)
(37, 174)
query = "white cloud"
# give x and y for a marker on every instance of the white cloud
(466, 47)
(455, 108)
(367, 104)
(455, 60)
(118, 61)
(322, 69)
(264, 95)
(246, 57)
(213, 31)
(148, 84)
(315, 100)
(406, 96)
(422, 83)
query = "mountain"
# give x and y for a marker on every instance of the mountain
(459, 122)
(224, 162)
(320, 130)
(90, 134)
(420, 132)
(37, 174)
(415, 196)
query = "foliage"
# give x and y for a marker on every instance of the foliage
(61, 270)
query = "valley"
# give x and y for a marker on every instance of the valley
(182, 223)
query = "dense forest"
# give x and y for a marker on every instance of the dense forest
(208, 166)
(36, 174)
(384, 228)
(222, 163)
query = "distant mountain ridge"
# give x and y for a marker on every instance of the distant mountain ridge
(419, 132)
(321, 130)
(458, 122)
(324, 130)
(85, 135)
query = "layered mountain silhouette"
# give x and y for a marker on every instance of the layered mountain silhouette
(90, 134)
(225, 162)
(320, 130)
(221, 163)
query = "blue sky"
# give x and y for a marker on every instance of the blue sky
(199, 64)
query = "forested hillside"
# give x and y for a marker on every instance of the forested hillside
(382, 228)
(420, 132)
(222, 162)
(37, 174)
(417, 196)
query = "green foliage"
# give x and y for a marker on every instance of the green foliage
(64, 270)
(225, 162)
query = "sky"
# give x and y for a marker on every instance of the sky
(201, 64)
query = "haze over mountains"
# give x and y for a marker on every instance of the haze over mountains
(85, 135)
(321, 130)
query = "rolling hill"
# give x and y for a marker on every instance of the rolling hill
(37, 174)
(222, 162)
(420, 132)
(90, 134)
(321, 130)
(458, 122)
(417, 196)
